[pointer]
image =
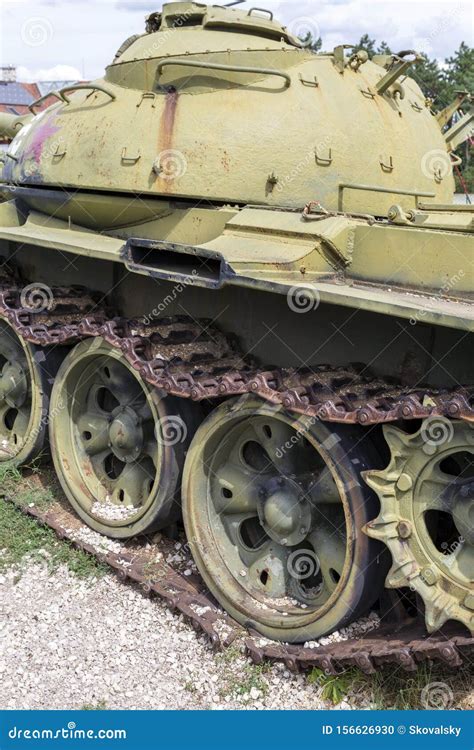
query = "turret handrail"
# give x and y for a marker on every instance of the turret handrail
(42, 99)
(84, 86)
(61, 94)
(222, 66)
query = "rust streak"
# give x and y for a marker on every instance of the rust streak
(166, 134)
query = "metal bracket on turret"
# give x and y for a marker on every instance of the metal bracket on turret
(461, 131)
(340, 60)
(446, 114)
(398, 68)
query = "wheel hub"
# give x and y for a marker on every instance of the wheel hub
(284, 512)
(13, 385)
(126, 434)
(274, 519)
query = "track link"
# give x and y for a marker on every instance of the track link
(404, 643)
(195, 361)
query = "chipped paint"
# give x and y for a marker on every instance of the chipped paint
(40, 134)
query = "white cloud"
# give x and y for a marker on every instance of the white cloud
(85, 34)
(57, 73)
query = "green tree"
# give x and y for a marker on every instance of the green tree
(459, 76)
(384, 49)
(431, 79)
(310, 42)
(460, 69)
(367, 43)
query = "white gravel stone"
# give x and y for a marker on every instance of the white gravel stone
(109, 511)
(356, 629)
(67, 642)
(98, 541)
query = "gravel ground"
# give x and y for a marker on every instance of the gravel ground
(67, 643)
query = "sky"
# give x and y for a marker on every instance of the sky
(71, 39)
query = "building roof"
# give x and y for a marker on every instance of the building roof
(14, 93)
(46, 86)
(15, 96)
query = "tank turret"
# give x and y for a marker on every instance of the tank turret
(223, 104)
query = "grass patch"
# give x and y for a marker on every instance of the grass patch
(396, 689)
(392, 688)
(22, 537)
(335, 688)
(190, 687)
(99, 706)
(26, 492)
(251, 676)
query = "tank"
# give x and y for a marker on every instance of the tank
(236, 294)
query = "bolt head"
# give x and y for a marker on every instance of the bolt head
(405, 482)
(404, 530)
(469, 602)
(429, 576)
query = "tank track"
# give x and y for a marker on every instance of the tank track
(195, 361)
(399, 641)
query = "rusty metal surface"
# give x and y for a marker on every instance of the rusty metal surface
(403, 643)
(198, 362)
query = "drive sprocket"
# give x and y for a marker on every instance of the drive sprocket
(427, 517)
